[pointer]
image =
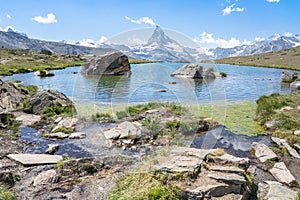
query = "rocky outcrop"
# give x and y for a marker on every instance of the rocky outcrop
(125, 130)
(65, 123)
(115, 63)
(287, 76)
(263, 152)
(43, 73)
(10, 97)
(283, 143)
(282, 174)
(47, 98)
(295, 85)
(271, 190)
(194, 71)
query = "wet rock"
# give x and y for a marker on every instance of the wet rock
(114, 63)
(43, 73)
(58, 135)
(46, 98)
(272, 190)
(77, 135)
(44, 177)
(10, 97)
(162, 90)
(35, 159)
(28, 119)
(67, 123)
(124, 130)
(52, 148)
(282, 174)
(282, 142)
(263, 152)
(194, 71)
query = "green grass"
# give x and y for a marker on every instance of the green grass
(61, 162)
(23, 61)
(55, 110)
(268, 109)
(6, 193)
(284, 59)
(64, 130)
(153, 125)
(142, 186)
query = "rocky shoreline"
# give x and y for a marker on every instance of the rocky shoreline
(151, 144)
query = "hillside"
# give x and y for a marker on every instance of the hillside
(14, 61)
(285, 59)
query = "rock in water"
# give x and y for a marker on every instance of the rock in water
(46, 98)
(10, 97)
(115, 63)
(194, 71)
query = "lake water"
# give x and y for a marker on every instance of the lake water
(241, 83)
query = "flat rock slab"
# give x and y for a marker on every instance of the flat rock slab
(28, 119)
(282, 142)
(35, 159)
(272, 190)
(180, 164)
(230, 159)
(187, 151)
(227, 177)
(263, 152)
(229, 169)
(282, 174)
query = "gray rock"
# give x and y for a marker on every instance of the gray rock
(52, 148)
(298, 107)
(282, 142)
(286, 108)
(288, 76)
(212, 190)
(124, 130)
(228, 169)
(28, 119)
(282, 174)
(115, 63)
(88, 165)
(230, 159)
(77, 135)
(187, 151)
(10, 97)
(58, 135)
(231, 178)
(297, 147)
(297, 132)
(44, 73)
(44, 177)
(67, 122)
(272, 190)
(35, 159)
(263, 152)
(180, 164)
(270, 124)
(294, 85)
(46, 98)
(194, 71)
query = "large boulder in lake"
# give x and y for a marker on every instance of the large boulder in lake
(10, 97)
(47, 98)
(194, 71)
(115, 63)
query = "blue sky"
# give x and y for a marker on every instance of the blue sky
(210, 22)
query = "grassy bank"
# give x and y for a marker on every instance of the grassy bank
(136, 61)
(286, 121)
(284, 59)
(13, 61)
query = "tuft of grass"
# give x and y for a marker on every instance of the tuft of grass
(55, 110)
(60, 163)
(64, 130)
(218, 152)
(6, 193)
(153, 125)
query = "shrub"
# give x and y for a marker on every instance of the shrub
(6, 193)
(223, 74)
(57, 110)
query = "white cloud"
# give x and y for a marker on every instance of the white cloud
(8, 16)
(259, 39)
(232, 8)
(287, 34)
(207, 38)
(273, 1)
(45, 20)
(146, 20)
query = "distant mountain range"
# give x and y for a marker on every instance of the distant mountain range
(11, 39)
(159, 47)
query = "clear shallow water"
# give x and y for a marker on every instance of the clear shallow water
(241, 83)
